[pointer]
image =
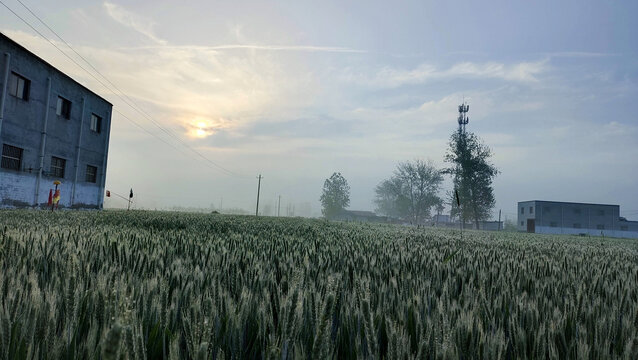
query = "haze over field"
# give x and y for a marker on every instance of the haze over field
(296, 91)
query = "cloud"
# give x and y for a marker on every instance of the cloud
(303, 48)
(580, 54)
(390, 77)
(138, 23)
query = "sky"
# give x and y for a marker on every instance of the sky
(297, 90)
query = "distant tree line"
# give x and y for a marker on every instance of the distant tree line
(413, 191)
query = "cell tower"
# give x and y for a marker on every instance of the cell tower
(463, 118)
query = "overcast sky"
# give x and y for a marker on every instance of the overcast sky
(296, 90)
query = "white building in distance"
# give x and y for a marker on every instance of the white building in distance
(553, 217)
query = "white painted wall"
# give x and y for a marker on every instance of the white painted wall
(19, 188)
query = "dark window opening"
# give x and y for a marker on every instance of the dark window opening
(91, 174)
(531, 209)
(63, 108)
(522, 210)
(19, 86)
(57, 167)
(96, 123)
(11, 157)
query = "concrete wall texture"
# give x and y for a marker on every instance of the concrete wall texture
(34, 126)
(551, 217)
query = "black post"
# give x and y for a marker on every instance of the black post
(258, 187)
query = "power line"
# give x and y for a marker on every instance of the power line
(125, 98)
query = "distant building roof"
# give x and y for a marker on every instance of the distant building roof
(567, 202)
(360, 213)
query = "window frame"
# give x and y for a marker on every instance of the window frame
(63, 107)
(96, 126)
(58, 171)
(86, 174)
(14, 86)
(6, 158)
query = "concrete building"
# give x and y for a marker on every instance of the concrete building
(552, 217)
(51, 128)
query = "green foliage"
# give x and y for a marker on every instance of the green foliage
(472, 175)
(411, 193)
(149, 285)
(335, 196)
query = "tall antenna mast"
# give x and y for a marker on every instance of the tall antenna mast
(463, 118)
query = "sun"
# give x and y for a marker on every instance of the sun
(200, 133)
(200, 129)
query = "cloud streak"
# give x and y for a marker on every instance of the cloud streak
(303, 48)
(138, 23)
(390, 77)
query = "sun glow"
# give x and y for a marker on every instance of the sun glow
(200, 128)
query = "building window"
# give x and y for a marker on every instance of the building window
(91, 174)
(19, 86)
(522, 223)
(576, 225)
(522, 210)
(623, 228)
(577, 211)
(601, 212)
(96, 123)
(553, 224)
(64, 108)
(600, 227)
(531, 209)
(11, 157)
(57, 167)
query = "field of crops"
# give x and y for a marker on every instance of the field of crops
(129, 285)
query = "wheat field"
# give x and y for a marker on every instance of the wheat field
(153, 285)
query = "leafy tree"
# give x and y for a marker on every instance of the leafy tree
(411, 193)
(472, 175)
(335, 196)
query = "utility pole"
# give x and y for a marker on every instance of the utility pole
(278, 205)
(258, 188)
(499, 219)
(130, 197)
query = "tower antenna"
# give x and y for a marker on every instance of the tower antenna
(463, 118)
